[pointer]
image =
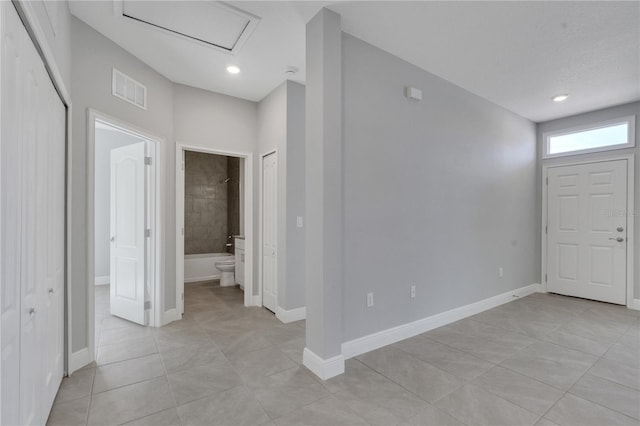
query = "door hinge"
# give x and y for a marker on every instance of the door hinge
(147, 161)
(545, 278)
(546, 229)
(147, 233)
(147, 304)
(547, 181)
(182, 230)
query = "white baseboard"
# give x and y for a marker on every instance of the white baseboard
(170, 316)
(291, 315)
(323, 368)
(635, 304)
(256, 301)
(383, 338)
(102, 280)
(198, 279)
(79, 359)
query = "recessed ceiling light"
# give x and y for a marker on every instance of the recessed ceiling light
(560, 98)
(232, 69)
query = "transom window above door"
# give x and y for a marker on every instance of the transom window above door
(603, 136)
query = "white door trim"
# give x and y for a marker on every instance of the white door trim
(261, 225)
(155, 255)
(630, 217)
(249, 299)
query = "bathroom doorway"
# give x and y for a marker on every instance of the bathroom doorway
(213, 221)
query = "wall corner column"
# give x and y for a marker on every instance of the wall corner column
(324, 204)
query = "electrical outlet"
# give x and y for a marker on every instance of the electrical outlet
(369, 300)
(413, 291)
(500, 272)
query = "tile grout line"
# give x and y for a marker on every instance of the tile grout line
(574, 383)
(93, 380)
(166, 375)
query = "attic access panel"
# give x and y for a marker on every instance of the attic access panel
(211, 22)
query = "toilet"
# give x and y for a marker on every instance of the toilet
(227, 268)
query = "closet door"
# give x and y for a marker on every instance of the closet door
(51, 161)
(32, 184)
(33, 129)
(10, 213)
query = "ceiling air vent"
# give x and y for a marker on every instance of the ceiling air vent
(129, 90)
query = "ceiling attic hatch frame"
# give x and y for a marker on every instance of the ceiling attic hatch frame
(210, 23)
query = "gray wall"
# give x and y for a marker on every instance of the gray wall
(106, 140)
(281, 128)
(205, 203)
(295, 183)
(324, 199)
(438, 193)
(584, 119)
(200, 118)
(93, 57)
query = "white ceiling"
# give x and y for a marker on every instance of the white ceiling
(516, 54)
(278, 42)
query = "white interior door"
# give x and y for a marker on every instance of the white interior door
(128, 269)
(587, 231)
(270, 231)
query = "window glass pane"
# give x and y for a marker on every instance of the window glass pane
(589, 139)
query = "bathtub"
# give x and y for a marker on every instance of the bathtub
(202, 267)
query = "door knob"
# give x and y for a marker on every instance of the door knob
(113, 239)
(620, 229)
(51, 291)
(619, 239)
(32, 311)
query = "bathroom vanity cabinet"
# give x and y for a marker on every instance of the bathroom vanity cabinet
(240, 258)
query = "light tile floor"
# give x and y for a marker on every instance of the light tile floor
(543, 360)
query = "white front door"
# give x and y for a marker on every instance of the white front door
(587, 231)
(128, 269)
(270, 231)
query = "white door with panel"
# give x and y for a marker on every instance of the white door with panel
(128, 260)
(587, 231)
(32, 186)
(270, 231)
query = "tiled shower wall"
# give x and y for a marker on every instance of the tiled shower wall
(233, 196)
(206, 203)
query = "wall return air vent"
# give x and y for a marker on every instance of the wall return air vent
(129, 90)
(212, 23)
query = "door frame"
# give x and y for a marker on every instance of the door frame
(261, 227)
(156, 219)
(630, 217)
(249, 298)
